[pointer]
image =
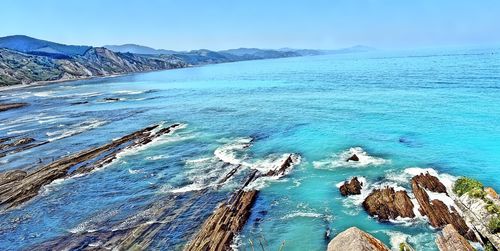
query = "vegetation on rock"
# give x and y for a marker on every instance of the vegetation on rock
(464, 185)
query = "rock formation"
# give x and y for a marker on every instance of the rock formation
(16, 189)
(355, 239)
(437, 212)
(388, 204)
(351, 187)
(11, 145)
(475, 212)
(450, 240)
(430, 183)
(354, 157)
(8, 106)
(228, 219)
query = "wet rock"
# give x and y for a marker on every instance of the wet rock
(354, 157)
(430, 183)
(23, 141)
(218, 231)
(16, 143)
(451, 240)
(27, 187)
(356, 239)
(351, 188)
(9, 106)
(388, 204)
(437, 212)
(111, 99)
(80, 103)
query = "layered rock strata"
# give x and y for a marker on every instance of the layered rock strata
(388, 204)
(19, 188)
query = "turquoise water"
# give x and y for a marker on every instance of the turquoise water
(426, 109)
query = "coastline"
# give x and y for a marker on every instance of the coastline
(58, 81)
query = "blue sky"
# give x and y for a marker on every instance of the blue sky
(222, 24)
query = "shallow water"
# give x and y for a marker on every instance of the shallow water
(423, 109)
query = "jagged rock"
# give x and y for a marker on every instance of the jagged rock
(430, 183)
(451, 240)
(8, 106)
(356, 239)
(26, 187)
(352, 187)
(438, 213)
(491, 192)
(354, 157)
(388, 204)
(218, 231)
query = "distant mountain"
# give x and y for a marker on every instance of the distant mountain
(24, 60)
(354, 49)
(35, 46)
(138, 49)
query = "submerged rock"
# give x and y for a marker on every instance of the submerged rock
(437, 212)
(351, 188)
(356, 239)
(388, 204)
(8, 106)
(354, 157)
(450, 240)
(27, 186)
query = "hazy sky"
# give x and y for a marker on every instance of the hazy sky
(222, 24)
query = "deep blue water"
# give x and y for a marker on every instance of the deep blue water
(425, 109)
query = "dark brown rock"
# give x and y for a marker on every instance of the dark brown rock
(438, 213)
(430, 183)
(354, 157)
(351, 188)
(8, 106)
(388, 204)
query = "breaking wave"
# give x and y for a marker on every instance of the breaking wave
(340, 160)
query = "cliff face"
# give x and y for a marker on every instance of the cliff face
(21, 68)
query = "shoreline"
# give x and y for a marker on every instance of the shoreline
(49, 82)
(58, 81)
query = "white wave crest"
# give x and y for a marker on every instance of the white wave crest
(76, 129)
(340, 160)
(228, 152)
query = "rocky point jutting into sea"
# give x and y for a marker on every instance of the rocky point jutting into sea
(330, 152)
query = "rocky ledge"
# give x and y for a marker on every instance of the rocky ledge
(356, 239)
(18, 186)
(218, 231)
(437, 212)
(352, 187)
(450, 240)
(8, 106)
(388, 204)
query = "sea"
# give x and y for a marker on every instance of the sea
(400, 112)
